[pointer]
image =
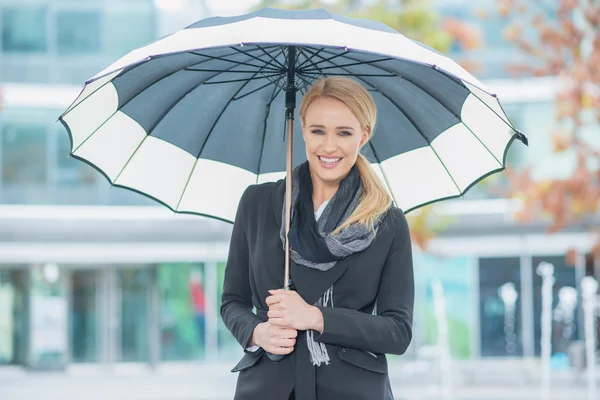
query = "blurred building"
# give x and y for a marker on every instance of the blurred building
(94, 274)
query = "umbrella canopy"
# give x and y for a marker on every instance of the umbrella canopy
(195, 117)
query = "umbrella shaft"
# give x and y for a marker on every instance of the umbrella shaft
(288, 201)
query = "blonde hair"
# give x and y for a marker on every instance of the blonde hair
(375, 199)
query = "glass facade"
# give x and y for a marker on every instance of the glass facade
(24, 30)
(456, 275)
(500, 306)
(84, 321)
(23, 154)
(79, 32)
(13, 312)
(70, 41)
(48, 316)
(135, 286)
(182, 293)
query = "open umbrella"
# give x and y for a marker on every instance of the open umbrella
(193, 118)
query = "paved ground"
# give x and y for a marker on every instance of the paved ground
(411, 381)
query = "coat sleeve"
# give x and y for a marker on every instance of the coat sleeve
(236, 300)
(389, 331)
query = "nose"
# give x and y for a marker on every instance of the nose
(330, 144)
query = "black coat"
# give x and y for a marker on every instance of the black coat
(356, 340)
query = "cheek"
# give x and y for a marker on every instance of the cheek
(351, 148)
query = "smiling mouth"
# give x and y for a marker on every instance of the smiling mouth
(330, 160)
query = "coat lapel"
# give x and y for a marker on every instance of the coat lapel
(308, 282)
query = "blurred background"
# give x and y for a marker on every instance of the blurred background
(106, 294)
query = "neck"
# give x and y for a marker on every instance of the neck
(322, 191)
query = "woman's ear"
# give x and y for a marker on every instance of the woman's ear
(365, 136)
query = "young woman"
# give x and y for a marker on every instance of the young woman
(351, 255)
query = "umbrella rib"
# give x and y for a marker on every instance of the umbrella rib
(444, 105)
(309, 59)
(152, 129)
(267, 110)
(330, 58)
(254, 91)
(245, 80)
(203, 144)
(387, 182)
(131, 68)
(218, 70)
(271, 56)
(172, 106)
(218, 118)
(235, 62)
(123, 105)
(258, 58)
(359, 63)
(416, 127)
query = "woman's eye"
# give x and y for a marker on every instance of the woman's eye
(317, 131)
(344, 133)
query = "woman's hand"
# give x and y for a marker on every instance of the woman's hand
(274, 339)
(288, 309)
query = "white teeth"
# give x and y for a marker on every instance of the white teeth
(329, 160)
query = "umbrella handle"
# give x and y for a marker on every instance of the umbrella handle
(288, 207)
(275, 357)
(290, 105)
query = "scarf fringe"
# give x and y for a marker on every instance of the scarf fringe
(318, 351)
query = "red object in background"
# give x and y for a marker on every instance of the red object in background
(197, 293)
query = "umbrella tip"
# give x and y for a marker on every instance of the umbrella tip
(521, 136)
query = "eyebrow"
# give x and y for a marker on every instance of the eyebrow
(338, 127)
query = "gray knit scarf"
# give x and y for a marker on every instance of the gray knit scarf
(306, 236)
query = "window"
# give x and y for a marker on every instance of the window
(13, 316)
(84, 316)
(456, 275)
(135, 323)
(500, 307)
(79, 32)
(128, 30)
(228, 345)
(24, 30)
(23, 154)
(182, 292)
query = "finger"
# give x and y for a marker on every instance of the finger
(289, 333)
(271, 300)
(277, 306)
(282, 342)
(275, 314)
(285, 332)
(280, 291)
(287, 342)
(278, 322)
(281, 350)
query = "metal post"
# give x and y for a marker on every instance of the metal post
(439, 304)
(546, 271)
(211, 343)
(590, 303)
(153, 318)
(527, 306)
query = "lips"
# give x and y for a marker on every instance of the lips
(329, 162)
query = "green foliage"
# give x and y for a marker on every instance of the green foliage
(415, 19)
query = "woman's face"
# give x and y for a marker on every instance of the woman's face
(333, 136)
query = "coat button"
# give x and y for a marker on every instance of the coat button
(343, 349)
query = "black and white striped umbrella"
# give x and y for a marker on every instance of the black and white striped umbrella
(195, 117)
